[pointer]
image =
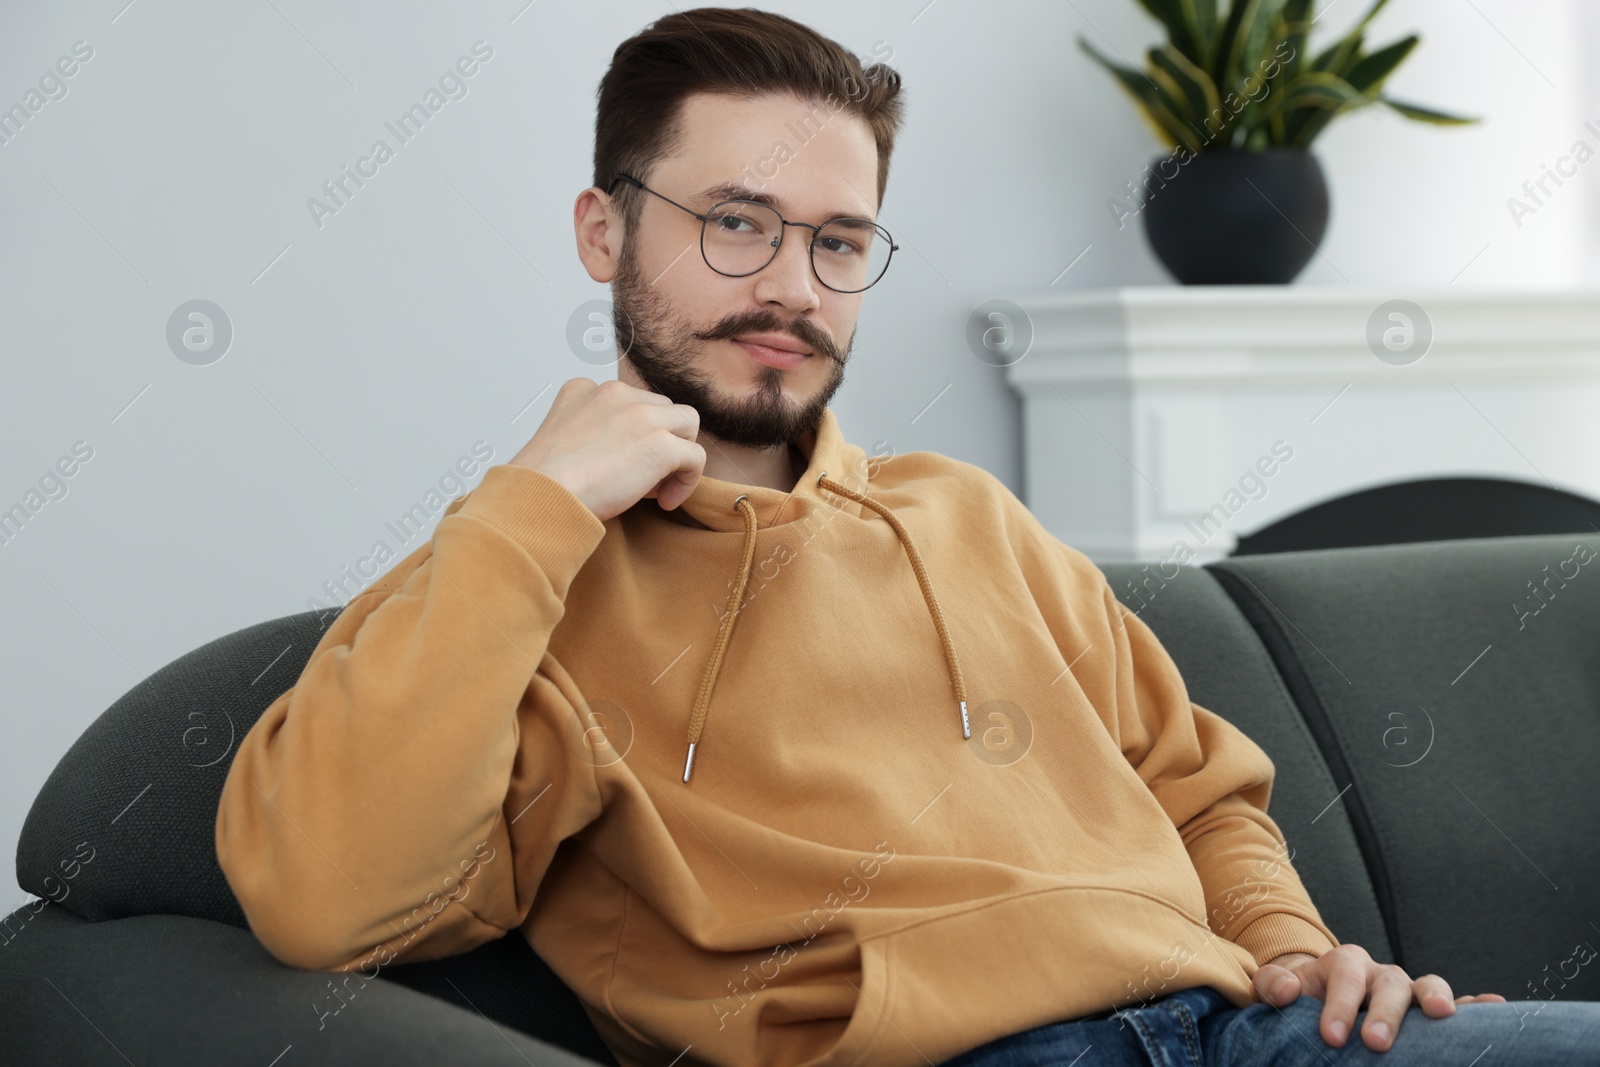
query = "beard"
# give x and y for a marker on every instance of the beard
(664, 348)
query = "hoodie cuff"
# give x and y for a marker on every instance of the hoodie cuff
(541, 515)
(1272, 935)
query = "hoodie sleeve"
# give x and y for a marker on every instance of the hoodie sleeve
(366, 815)
(1214, 782)
(1210, 778)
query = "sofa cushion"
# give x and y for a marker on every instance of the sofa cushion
(1463, 710)
(1227, 671)
(165, 989)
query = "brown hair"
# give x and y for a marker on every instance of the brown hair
(739, 51)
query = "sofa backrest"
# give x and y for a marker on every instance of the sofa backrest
(125, 825)
(1227, 670)
(1454, 686)
(138, 791)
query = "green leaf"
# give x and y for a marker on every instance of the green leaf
(1191, 26)
(1314, 101)
(1180, 28)
(1297, 34)
(1252, 50)
(1130, 78)
(1243, 40)
(1224, 42)
(1134, 81)
(1202, 16)
(1304, 125)
(1338, 57)
(1426, 114)
(1368, 72)
(1377, 6)
(1171, 95)
(1211, 59)
(1167, 128)
(1323, 90)
(1178, 75)
(1177, 130)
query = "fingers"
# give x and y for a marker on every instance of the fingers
(1434, 996)
(681, 420)
(1276, 984)
(1346, 977)
(676, 487)
(1345, 974)
(670, 492)
(1392, 991)
(689, 419)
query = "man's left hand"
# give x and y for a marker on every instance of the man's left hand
(1345, 977)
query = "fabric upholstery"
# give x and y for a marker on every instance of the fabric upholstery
(1229, 672)
(137, 795)
(1468, 728)
(167, 989)
(140, 786)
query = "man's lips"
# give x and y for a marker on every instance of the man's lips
(780, 358)
(775, 341)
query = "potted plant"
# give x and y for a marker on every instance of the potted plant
(1239, 198)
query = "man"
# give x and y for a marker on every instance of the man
(705, 704)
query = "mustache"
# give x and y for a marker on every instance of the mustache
(809, 336)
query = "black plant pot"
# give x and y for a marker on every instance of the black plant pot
(1236, 218)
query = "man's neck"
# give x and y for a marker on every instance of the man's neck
(771, 468)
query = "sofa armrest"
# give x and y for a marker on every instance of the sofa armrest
(168, 989)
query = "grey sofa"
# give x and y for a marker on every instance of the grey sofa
(1433, 711)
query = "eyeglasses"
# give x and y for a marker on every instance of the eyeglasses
(739, 237)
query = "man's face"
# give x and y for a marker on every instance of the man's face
(676, 318)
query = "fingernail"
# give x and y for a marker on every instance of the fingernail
(1380, 1033)
(1280, 987)
(1338, 1029)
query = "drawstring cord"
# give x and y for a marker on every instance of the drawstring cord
(928, 598)
(708, 681)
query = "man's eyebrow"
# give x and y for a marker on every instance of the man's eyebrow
(736, 191)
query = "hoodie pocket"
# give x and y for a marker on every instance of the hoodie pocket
(858, 1044)
(935, 988)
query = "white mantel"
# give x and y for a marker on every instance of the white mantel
(1144, 407)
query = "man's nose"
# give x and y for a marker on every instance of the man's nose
(789, 276)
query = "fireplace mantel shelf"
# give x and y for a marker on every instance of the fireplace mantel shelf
(1147, 408)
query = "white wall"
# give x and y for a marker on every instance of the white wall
(369, 354)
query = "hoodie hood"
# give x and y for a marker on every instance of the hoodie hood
(712, 502)
(837, 475)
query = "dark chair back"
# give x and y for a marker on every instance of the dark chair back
(1427, 509)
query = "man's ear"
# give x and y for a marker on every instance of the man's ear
(597, 224)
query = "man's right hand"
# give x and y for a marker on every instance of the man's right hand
(612, 444)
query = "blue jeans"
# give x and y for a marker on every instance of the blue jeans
(1199, 1027)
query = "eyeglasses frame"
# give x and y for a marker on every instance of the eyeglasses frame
(811, 247)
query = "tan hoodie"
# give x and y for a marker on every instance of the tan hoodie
(493, 737)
